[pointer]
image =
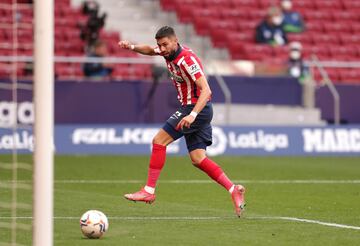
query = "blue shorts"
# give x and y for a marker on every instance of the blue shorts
(199, 135)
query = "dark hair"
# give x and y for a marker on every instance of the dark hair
(165, 31)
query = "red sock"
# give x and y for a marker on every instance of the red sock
(157, 162)
(215, 172)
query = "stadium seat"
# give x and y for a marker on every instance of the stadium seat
(355, 26)
(238, 4)
(217, 3)
(233, 14)
(301, 4)
(350, 76)
(67, 38)
(257, 14)
(168, 5)
(351, 5)
(325, 39)
(302, 38)
(185, 13)
(247, 25)
(315, 26)
(348, 39)
(338, 27)
(201, 25)
(343, 51)
(322, 52)
(317, 15)
(218, 37)
(328, 5)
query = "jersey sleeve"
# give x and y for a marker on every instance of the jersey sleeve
(192, 67)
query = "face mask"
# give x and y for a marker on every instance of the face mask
(295, 54)
(286, 5)
(277, 20)
(295, 72)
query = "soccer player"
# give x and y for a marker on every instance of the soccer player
(191, 120)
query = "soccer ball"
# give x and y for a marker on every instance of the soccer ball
(94, 224)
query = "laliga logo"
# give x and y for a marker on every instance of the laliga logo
(219, 142)
(22, 140)
(11, 113)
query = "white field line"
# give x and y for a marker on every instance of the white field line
(209, 218)
(196, 181)
(308, 221)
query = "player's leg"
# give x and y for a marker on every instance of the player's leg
(164, 137)
(157, 161)
(214, 171)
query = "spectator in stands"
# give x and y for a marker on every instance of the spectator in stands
(297, 68)
(91, 31)
(98, 69)
(292, 20)
(270, 30)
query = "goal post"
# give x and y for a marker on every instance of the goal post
(44, 122)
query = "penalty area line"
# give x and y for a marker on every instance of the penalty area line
(129, 218)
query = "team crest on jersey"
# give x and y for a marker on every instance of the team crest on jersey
(195, 68)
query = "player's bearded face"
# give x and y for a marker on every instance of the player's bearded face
(167, 45)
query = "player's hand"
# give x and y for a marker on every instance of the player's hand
(185, 122)
(125, 44)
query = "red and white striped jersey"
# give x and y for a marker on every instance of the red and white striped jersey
(185, 68)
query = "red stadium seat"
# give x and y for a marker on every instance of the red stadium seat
(168, 5)
(317, 15)
(222, 24)
(345, 16)
(256, 51)
(201, 25)
(233, 14)
(247, 25)
(217, 3)
(266, 3)
(209, 12)
(338, 27)
(244, 3)
(218, 37)
(349, 39)
(325, 39)
(352, 5)
(322, 52)
(350, 76)
(328, 5)
(257, 14)
(343, 51)
(185, 13)
(302, 38)
(315, 26)
(355, 26)
(301, 4)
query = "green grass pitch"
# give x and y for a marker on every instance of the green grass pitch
(191, 210)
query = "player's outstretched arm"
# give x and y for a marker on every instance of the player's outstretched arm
(139, 48)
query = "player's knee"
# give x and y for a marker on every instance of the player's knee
(158, 140)
(196, 160)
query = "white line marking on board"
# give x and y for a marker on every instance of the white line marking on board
(329, 224)
(196, 181)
